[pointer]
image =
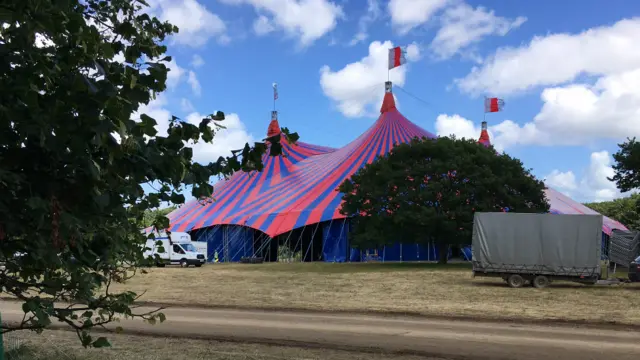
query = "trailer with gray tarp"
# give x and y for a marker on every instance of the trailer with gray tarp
(537, 248)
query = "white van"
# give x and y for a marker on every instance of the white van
(178, 249)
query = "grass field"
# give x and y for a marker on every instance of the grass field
(427, 289)
(65, 345)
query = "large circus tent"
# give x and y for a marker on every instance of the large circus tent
(294, 203)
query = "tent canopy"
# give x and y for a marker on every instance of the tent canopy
(300, 187)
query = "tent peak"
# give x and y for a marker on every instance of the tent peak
(484, 135)
(389, 103)
(274, 126)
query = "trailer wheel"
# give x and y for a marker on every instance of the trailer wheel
(540, 282)
(515, 281)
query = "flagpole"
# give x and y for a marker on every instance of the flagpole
(484, 110)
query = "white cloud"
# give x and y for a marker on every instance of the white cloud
(564, 181)
(413, 52)
(463, 25)
(195, 84)
(196, 23)
(372, 14)
(197, 61)
(358, 87)
(461, 127)
(408, 14)
(558, 58)
(456, 125)
(307, 20)
(262, 25)
(578, 114)
(233, 137)
(175, 73)
(186, 106)
(156, 109)
(593, 186)
(43, 41)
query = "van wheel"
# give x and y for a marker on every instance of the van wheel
(515, 281)
(183, 263)
(540, 282)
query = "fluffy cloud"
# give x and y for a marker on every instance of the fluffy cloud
(577, 114)
(307, 20)
(457, 125)
(408, 14)
(593, 186)
(358, 87)
(233, 137)
(262, 25)
(372, 14)
(197, 61)
(195, 84)
(558, 58)
(463, 25)
(196, 23)
(186, 106)
(175, 73)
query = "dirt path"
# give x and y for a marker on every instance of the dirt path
(450, 339)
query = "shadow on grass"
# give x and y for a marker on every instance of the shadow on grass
(322, 267)
(556, 285)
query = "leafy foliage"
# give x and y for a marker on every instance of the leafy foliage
(151, 215)
(428, 190)
(72, 159)
(625, 210)
(627, 166)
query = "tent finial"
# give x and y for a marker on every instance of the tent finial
(389, 102)
(274, 127)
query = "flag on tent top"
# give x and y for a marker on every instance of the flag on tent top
(275, 91)
(493, 105)
(396, 57)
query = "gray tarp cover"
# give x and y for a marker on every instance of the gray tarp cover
(544, 243)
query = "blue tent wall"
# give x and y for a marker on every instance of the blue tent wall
(335, 241)
(399, 252)
(229, 241)
(213, 237)
(240, 243)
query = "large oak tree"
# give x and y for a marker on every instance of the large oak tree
(429, 189)
(73, 157)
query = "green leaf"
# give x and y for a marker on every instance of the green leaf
(101, 342)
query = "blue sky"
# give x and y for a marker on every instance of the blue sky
(569, 72)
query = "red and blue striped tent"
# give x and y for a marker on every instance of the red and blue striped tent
(299, 190)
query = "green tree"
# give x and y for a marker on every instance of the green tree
(72, 159)
(428, 190)
(627, 166)
(624, 210)
(627, 178)
(150, 215)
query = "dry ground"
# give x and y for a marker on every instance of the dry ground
(416, 288)
(64, 345)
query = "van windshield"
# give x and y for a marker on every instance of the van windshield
(188, 247)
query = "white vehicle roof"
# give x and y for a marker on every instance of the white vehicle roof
(176, 237)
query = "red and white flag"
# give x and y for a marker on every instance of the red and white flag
(396, 57)
(275, 91)
(493, 105)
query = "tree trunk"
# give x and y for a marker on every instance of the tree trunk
(443, 252)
